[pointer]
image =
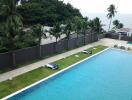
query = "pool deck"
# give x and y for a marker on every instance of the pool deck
(27, 68)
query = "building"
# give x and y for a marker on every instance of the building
(124, 32)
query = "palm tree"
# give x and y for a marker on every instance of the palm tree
(12, 22)
(78, 25)
(116, 23)
(111, 13)
(95, 25)
(120, 25)
(68, 28)
(56, 31)
(39, 34)
(84, 25)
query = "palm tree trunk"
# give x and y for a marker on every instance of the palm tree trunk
(68, 37)
(110, 24)
(56, 45)
(56, 41)
(84, 37)
(40, 53)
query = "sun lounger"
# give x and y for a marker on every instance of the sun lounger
(87, 52)
(52, 66)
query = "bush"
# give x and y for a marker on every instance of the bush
(116, 46)
(3, 49)
(122, 47)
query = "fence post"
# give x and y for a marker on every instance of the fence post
(40, 51)
(67, 44)
(13, 59)
(55, 45)
(84, 39)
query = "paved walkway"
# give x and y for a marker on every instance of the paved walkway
(19, 71)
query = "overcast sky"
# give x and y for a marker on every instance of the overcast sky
(100, 6)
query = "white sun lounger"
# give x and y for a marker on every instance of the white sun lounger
(52, 66)
(87, 52)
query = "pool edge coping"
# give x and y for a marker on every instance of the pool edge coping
(52, 75)
(122, 50)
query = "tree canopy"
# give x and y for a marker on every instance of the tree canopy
(46, 12)
(117, 24)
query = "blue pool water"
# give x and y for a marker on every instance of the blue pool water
(107, 76)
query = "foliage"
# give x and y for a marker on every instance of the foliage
(95, 26)
(31, 12)
(68, 28)
(56, 31)
(46, 12)
(117, 24)
(85, 26)
(34, 14)
(11, 23)
(39, 32)
(120, 25)
(78, 23)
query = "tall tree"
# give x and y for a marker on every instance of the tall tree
(12, 21)
(56, 31)
(78, 22)
(46, 12)
(111, 13)
(95, 26)
(39, 33)
(120, 25)
(117, 24)
(68, 28)
(84, 25)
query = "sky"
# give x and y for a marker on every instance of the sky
(100, 6)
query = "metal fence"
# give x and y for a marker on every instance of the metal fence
(25, 55)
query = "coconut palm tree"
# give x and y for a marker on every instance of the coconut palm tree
(56, 31)
(116, 23)
(85, 25)
(120, 25)
(68, 28)
(78, 21)
(39, 34)
(111, 13)
(12, 24)
(95, 26)
(12, 21)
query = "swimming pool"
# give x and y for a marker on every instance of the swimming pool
(129, 42)
(106, 76)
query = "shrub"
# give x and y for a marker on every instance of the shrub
(122, 47)
(116, 46)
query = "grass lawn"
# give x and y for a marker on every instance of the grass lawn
(19, 82)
